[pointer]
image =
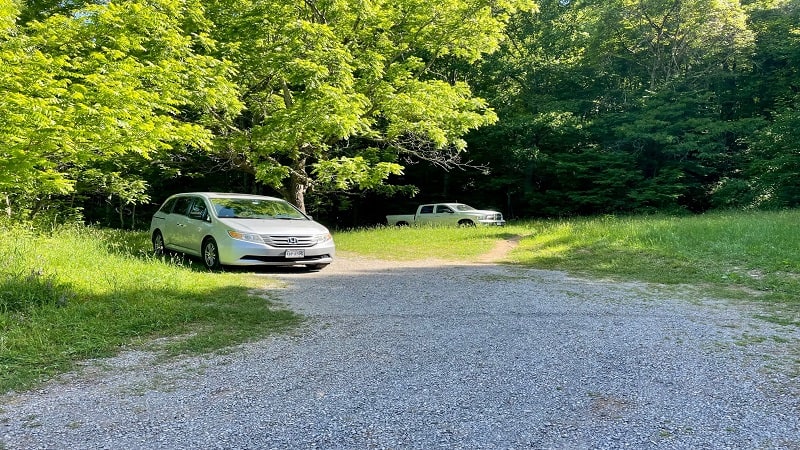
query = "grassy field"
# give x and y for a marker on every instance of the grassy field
(737, 255)
(81, 293)
(410, 243)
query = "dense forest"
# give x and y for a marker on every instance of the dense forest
(356, 108)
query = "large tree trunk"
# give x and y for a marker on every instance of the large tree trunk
(298, 184)
(298, 180)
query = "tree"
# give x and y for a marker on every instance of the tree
(776, 163)
(8, 14)
(103, 84)
(772, 174)
(337, 93)
(619, 105)
(672, 39)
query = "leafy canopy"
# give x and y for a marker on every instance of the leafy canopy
(336, 91)
(110, 80)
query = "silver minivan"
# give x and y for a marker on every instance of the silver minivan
(240, 230)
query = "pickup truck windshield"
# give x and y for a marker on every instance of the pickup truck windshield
(463, 207)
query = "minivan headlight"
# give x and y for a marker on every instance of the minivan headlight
(320, 238)
(249, 237)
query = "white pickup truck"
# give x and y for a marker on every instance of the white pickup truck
(447, 214)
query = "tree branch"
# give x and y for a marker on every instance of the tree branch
(412, 149)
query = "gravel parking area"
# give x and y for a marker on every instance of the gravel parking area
(436, 355)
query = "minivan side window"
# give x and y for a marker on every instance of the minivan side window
(198, 210)
(182, 205)
(167, 207)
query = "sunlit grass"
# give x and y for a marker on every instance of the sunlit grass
(745, 252)
(410, 243)
(81, 292)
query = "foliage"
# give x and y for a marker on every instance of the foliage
(776, 161)
(632, 106)
(327, 83)
(106, 88)
(566, 107)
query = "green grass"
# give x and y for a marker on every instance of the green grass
(81, 293)
(411, 243)
(736, 254)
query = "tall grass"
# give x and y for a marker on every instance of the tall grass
(747, 254)
(81, 292)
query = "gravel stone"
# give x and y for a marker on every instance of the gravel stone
(426, 355)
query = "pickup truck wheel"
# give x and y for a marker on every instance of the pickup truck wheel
(466, 223)
(401, 224)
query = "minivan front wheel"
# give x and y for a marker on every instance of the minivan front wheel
(210, 254)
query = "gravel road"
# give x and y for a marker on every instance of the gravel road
(437, 355)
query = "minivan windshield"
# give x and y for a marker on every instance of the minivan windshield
(255, 208)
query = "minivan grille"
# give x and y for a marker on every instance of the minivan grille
(288, 241)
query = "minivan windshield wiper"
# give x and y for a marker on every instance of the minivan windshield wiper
(285, 217)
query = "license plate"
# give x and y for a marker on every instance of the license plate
(295, 253)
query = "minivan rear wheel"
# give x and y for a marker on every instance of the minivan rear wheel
(158, 244)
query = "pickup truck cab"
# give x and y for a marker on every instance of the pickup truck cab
(447, 214)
